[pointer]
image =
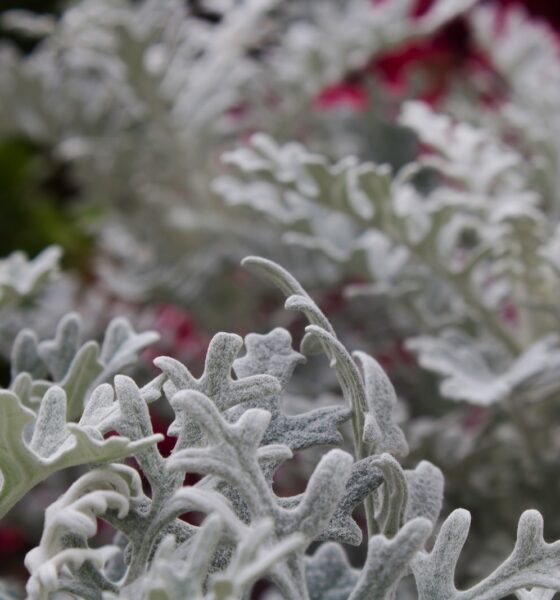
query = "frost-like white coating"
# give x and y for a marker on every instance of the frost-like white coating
(232, 431)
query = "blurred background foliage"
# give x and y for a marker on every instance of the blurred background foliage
(38, 204)
(40, 201)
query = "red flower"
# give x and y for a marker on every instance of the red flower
(434, 59)
(166, 445)
(509, 313)
(395, 356)
(178, 335)
(475, 418)
(342, 95)
(543, 9)
(12, 541)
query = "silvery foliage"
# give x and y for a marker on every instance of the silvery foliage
(470, 261)
(230, 427)
(510, 262)
(135, 96)
(50, 382)
(139, 97)
(525, 53)
(33, 292)
(323, 42)
(454, 257)
(20, 277)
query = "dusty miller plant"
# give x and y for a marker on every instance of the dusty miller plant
(469, 262)
(452, 257)
(33, 293)
(230, 427)
(472, 257)
(148, 93)
(20, 277)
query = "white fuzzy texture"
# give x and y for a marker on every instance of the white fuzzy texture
(221, 425)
